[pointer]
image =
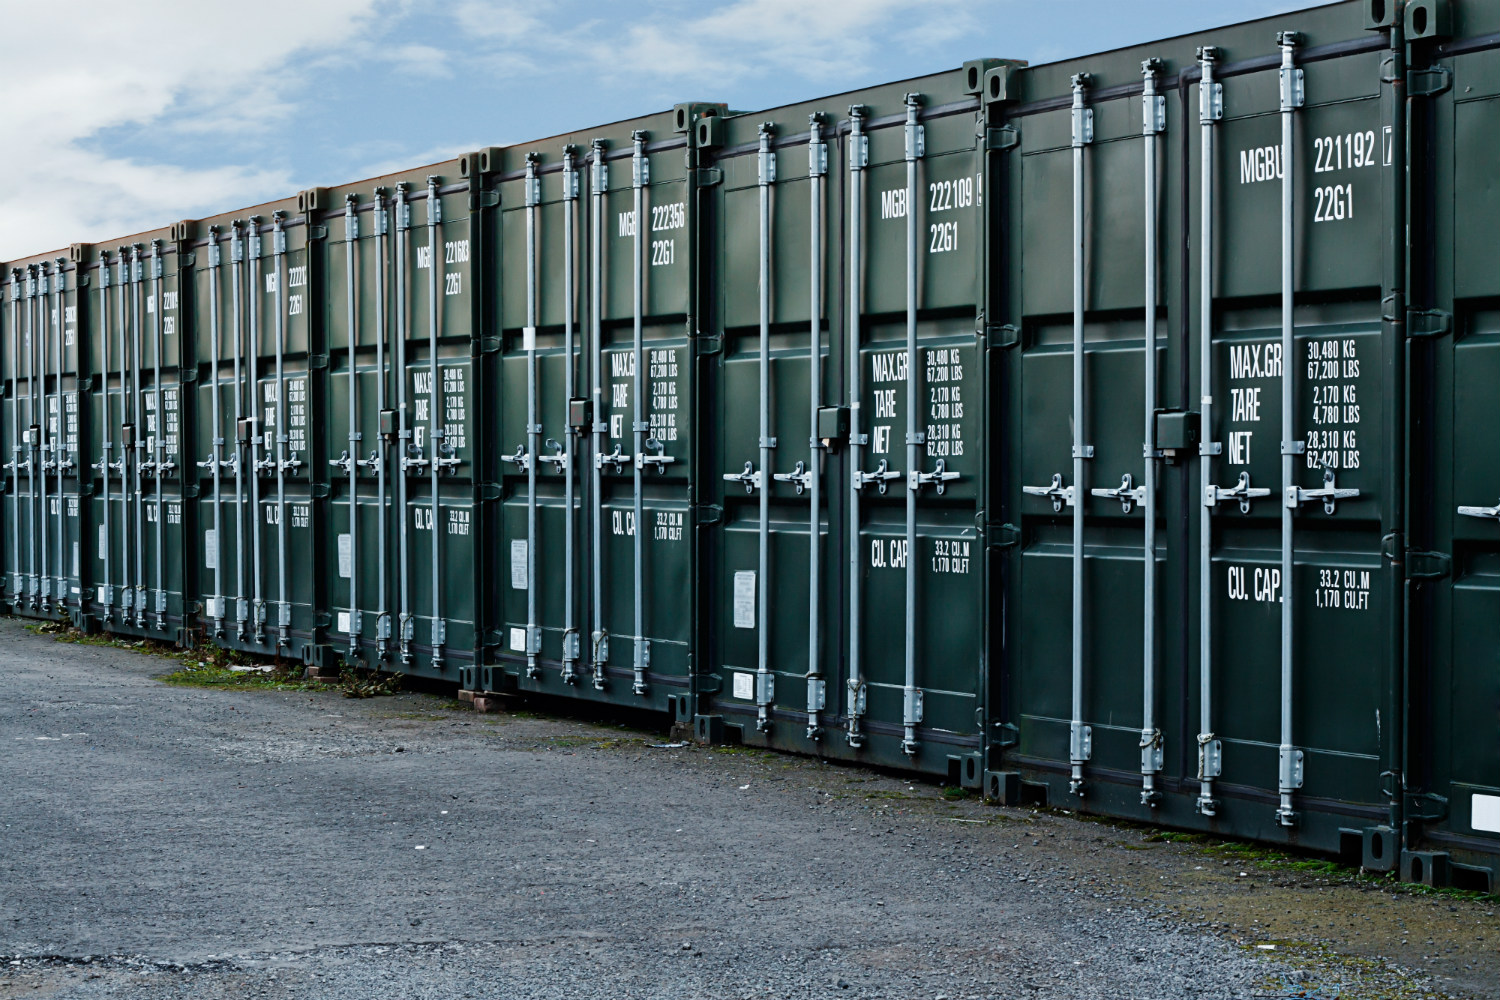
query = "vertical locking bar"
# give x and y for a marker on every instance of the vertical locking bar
(859, 153)
(640, 177)
(817, 168)
(911, 695)
(1210, 110)
(436, 439)
(15, 429)
(351, 325)
(1290, 769)
(766, 176)
(137, 406)
(599, 183)
(106, 589)
(380, 454)
(404, 446)
(1153, 123)
(127, 440)
(60, 451)
(533, 424)
(158, 463)
(1080, 736)
(44, 429)
(257, 427)
(216, 455)
(570, 624)
(283, 438)
(241, 603)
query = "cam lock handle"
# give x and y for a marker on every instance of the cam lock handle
(659, 461)
(749, 478)
(1127, 493)
(522, 458)
(1241, 491)
(1059, 494)
(938, 477)
(799, 475)
(881, 477)
(558, 457)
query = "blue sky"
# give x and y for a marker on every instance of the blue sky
(140, 114)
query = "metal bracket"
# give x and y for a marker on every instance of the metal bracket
(1428, 322)
(1428, 565)
(1127, 493)
(1210, 103)
(1080, 742)
(799, 475)
(613, 460)
(881, 477)
(522, 458)
(1057, 492)
(659, 461)
(1153, 755)
(1428, 82)
(1241, 491)
(558, 458)
(1002, 138)
(1210, 756)
(1292, 767)
(938, 477)
(749, 478)
(1330, 494)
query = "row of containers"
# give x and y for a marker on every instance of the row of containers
(1116, 433)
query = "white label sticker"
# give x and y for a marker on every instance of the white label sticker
(75, 563)
(1484, 813)
(528, 338)
(210, 549)
(101, 595)
(744, 686)
(346, 557)
(744, 602)
(103, 544)
(344, 621)
(518, 640)
(518, 563)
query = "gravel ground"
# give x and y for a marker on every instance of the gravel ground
(163, 841)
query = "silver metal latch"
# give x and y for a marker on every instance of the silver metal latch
(342, 462)
(660, 460)
(521, 458)
(1127, 493)
(1057, 492)
(750, 479)
(614, 459)
(1492, 513)
(881, 477)
(558, 457)
(938, 477)
(291, 464)
(799, 475)
(1241, 491)
(1330, 494)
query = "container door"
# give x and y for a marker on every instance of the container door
(68, 455)
(18, 502)
(772, 632)
(539, 437)
(1453, 775)
(641, 563)
(436, 593)
(283, 578)
(358, 544)
(915, 391)
(109, 344)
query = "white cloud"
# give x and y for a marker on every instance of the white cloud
(171, 69)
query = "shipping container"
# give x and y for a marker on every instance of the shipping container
(848, 389)
(1110, 433)
(42, 421)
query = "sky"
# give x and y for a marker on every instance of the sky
(129, 116)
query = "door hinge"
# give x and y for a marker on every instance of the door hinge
(489, 199)
(1428, 322)
(1002, 336)
(1002, 138)
(1005, 735)
(708, 344)
(317, 232)
(705, 177)
(1002, 536)
(707, 684)
(1428, 82)
(1427, 565)
(707, 513)
(1426, 807)
(186, 259)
